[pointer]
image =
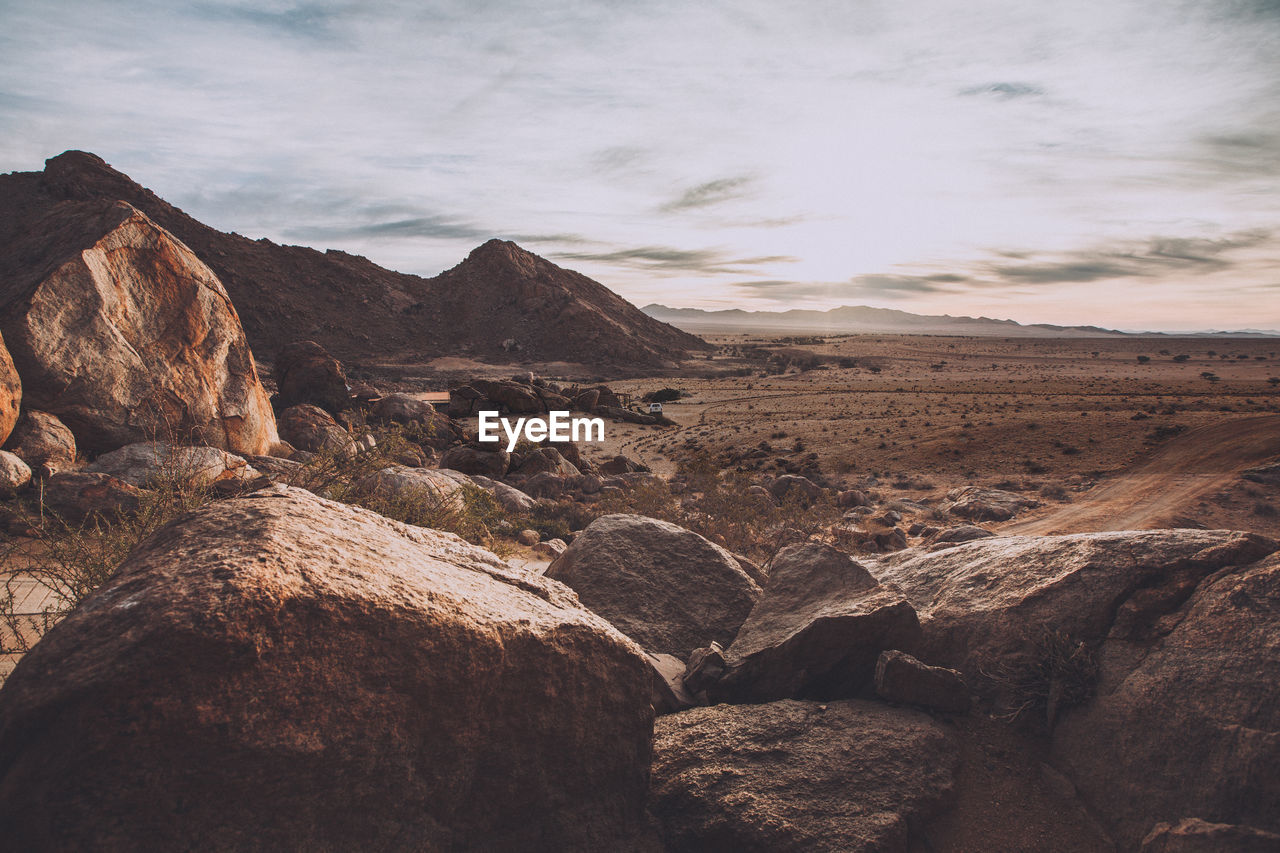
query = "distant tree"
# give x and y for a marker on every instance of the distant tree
(1143, 359)
(1180, 357)
(1273, 381)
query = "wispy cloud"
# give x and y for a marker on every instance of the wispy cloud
(666, 258)
(709, 194)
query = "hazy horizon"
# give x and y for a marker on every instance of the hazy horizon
(1089, 163)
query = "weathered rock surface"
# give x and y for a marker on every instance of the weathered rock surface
(10, 393)
(798, 776)
(470, 460)
(1188, 722)
(546, 460)
(285, 672)
(977, 504)
(439, 431)
(795, 485)
(1192, 835)
(816, 631)
(314, 430)
(435, 485)
(667, 588)
(977, 601)
(510, 498)
(1268, 475)
(14, 473)
(43, 442)
(150, 464)
(306, 373)
(956, 535)
(669, 694)
(902, 678)
(122, 332)
(76, 495)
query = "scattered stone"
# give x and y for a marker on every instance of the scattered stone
(808, 490)
(306, 373)
(667, 588)
(902, 678)
(817, 630)
(76, 496)
(620, 465)
(43, 442)
(799, 776)
(434, 486)
(528, 537)
(314, 430)
(1268, 475)
(552, 548)
(546, 460)
(956, 535)
(852, 498)
(285, 672)
(705, 667)
(157, 464)
(509, 498)
(15, 474)
(978, 504)
(469, 460)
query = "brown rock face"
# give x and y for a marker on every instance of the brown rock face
(76, 495)
(284, 672)
(817, 630)
(306, 373)
(1192, 835)
(665, 587)
(798, 776)
(10, 393)
(978, 600)
(1188, 722)
(312, 429)
(124, 334)
(469, 460)
(43, 442)
(902, 678)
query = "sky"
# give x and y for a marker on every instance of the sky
(1108, 162)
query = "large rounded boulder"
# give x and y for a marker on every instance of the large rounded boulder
(284, 672)
(122, 332)
(667, 588)
(306, 373)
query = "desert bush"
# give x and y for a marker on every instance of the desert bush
(1053, 672)
(68, 561)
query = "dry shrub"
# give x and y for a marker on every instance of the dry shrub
(1052, 672)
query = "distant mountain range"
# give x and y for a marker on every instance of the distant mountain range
(863, 319)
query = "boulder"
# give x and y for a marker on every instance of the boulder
(509, 498)
(956, 535)
(10, 393)
(902, 678)
(807, 490)
(314, 430)
(15, 474)
(550, 549)
(470, 460)
(979, 602)
(154, 464)
(667, 588)
(851, 498)
(1268, 475)
(789, 776)
(464, 401)
(435, 428)
(1186, 717)
(586, 400)
(669, 694)
(705, 667)
(285, 672)
(76, 496)
(433, 485)
(306, 373)
(817, 631)
(620, 465)
(43, 442)
(528, 537)
(514, 397)
(122, 332)
(546, 460)
(978, 504)
(1192, 835)
(545, 485)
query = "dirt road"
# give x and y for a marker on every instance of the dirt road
(1166, 483)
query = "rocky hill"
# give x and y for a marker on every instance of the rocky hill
(501, 304)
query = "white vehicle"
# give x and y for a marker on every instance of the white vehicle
(655, 408)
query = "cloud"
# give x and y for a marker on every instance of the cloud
(1004, 91)
(903, 286)
(1159, 256)
(666, 258)
(431, 227)
(709, 194)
